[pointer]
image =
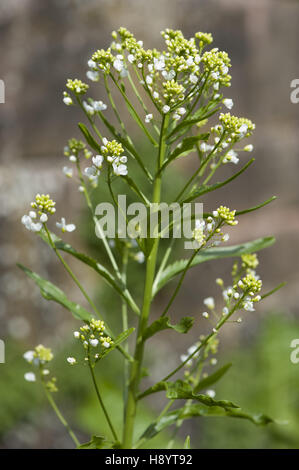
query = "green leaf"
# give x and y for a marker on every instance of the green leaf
(51, 292)
(116, 342)
(207, 189)
(213, 378)
(89, 138)
(187, 444)
(99, 268)
(255, 208)
(196, 410)
(163, 323)
(184, 148)
(209, 254)
(180, 390)
(99, 442)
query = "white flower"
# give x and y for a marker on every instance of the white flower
(148, 118)
(159, 63)
(118, 63)
(32, 214)
(181, 111)
(45, 372)
(232, 157)
(88, 108)
(192, 349)
(98, 161)
(248, 148)
(65, 227)
(225, 237)
(165, 109)
(43, 218)
(148, 79)
(93, 75)
(209, 302)
(131, 58)
(205, 315)
(106, 345)
(140, 257)
(193, 78)
(81, 189)
(248, 305)
(99, 106)
(67, 100)
(71, 360)
(155, 95)
(76, 334)
(28, 356)
(72, 158)
(30, 225)
(243, 129)
(225, 311)
(228, 102)
(30, 377)
(215, 213)
(211, 393)
(92, 64)
(120, 170)
(168, 75)
(67, 171)
(190, 61)
(94, 342)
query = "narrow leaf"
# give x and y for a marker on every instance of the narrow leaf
(89, 138)
(207, 189)
(51, 292)
(163, 323)
(209, 254)
(184, 148)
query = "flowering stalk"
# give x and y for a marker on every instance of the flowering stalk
(183, 85)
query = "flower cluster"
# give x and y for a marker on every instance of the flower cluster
(43, 206)
(235, 126)
(92, 107)
(225, 215)
(77, 86)
(40, 357)
(208, 232)
(112, 151)
(92, 336)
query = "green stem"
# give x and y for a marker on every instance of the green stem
(60, 416)
(135, 371)
(68, 269)
(101, 401)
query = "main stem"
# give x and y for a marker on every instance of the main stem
(136, 366)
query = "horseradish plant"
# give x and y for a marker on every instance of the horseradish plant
(172, 95)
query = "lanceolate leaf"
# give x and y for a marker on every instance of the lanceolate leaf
(51, 292)
(196, 410)
(207, 189)
(163, 323)
(99, 268)
(213, 378)
(209, 254)
(89, 138)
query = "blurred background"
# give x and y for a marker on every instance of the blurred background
(44, 43)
